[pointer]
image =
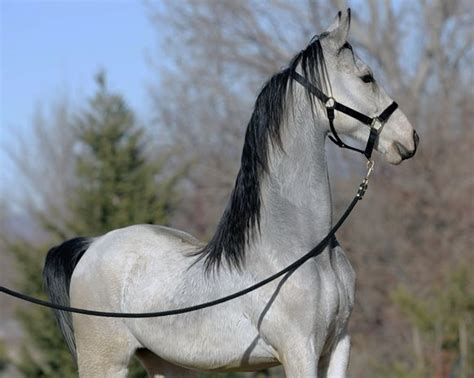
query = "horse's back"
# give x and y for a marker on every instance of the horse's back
(169, 233)
(131, 238)
(125, 253)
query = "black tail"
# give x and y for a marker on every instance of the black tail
(58, 267)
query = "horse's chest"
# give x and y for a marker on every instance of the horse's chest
(343, 292)
(330, 295)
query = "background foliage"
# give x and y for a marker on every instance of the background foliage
(115, 185)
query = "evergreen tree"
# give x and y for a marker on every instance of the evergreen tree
(117, 185)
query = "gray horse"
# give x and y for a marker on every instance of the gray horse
(279, 209)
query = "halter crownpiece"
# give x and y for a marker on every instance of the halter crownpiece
(375, 123)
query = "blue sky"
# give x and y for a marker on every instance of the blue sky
(54, 48)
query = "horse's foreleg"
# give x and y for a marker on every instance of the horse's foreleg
(339, 359)
(301, 361)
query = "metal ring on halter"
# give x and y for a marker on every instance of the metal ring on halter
(376, 124)
(330, 103)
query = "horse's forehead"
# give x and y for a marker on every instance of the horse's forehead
(350, 60)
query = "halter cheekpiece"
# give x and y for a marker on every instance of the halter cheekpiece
(375, 123)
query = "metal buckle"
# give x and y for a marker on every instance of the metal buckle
(330, 103)
(365, 182)
(376, 124)
(370, 169)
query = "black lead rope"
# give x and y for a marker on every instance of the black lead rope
(376, 123)
(312, 253)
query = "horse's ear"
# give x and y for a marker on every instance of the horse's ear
(335, 23)
(339, 29)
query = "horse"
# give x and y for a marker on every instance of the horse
(280, 207)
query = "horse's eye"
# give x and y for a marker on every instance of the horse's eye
(367, 78)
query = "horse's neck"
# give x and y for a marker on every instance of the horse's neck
(296, 212)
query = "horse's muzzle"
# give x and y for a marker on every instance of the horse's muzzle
(402, 150)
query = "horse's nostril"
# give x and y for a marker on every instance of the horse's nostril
(402, 150)
(416, 139)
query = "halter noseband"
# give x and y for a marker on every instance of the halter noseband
(375, 123)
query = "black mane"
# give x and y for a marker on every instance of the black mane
(241, 218)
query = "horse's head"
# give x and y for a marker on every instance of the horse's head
(354, 85)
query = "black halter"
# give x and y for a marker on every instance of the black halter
(376, 123)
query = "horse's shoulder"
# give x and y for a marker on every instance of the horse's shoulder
(340, 260)
(345, 273)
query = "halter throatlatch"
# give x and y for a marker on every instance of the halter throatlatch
(375, 123)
